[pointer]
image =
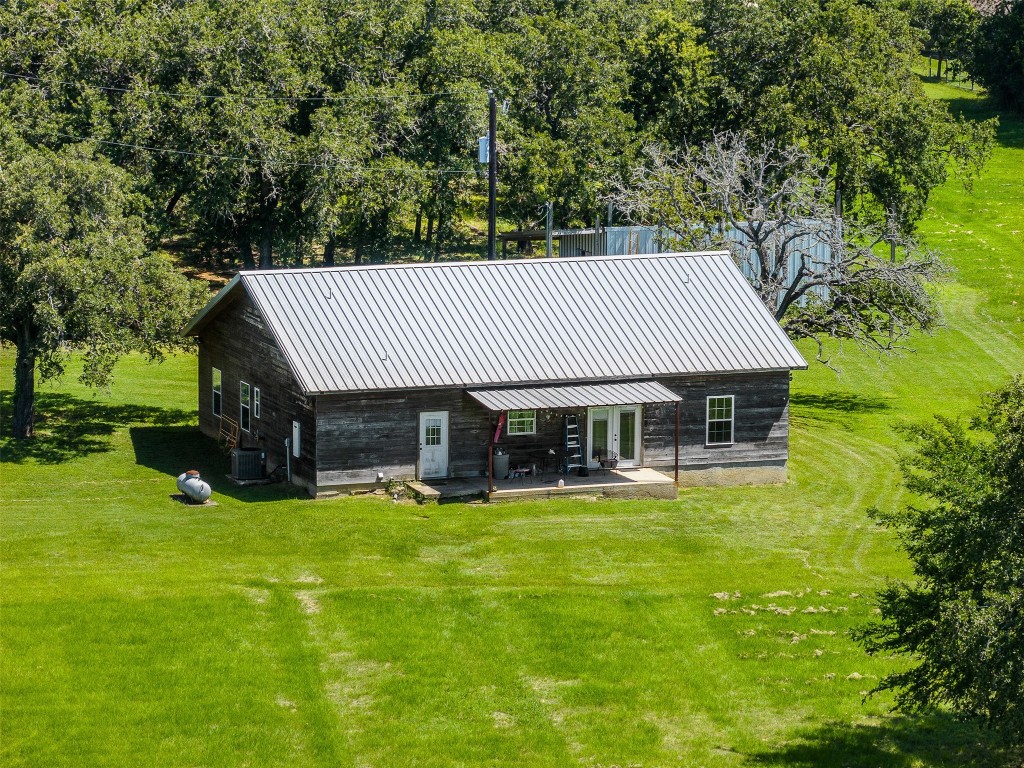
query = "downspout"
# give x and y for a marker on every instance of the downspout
(491, 440)
(677, 442)
(288, 457)
(490, 469)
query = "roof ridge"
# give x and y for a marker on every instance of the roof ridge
(480, 263)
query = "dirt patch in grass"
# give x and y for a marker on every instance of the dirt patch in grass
(503, 720)
(308, 601)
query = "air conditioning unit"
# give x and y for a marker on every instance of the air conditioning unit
(248, 464)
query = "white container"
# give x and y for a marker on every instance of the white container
(193, 486)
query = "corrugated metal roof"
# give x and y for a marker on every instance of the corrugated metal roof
(479, 324)
(573, 396)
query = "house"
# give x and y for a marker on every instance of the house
(364, 374)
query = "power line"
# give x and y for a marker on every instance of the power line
(261, 161)
(231, 96)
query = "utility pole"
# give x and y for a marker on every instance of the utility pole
(492, 176)
(549, 222)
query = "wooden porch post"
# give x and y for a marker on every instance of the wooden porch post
(490, 459)
(677, 442)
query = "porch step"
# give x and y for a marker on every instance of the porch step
(422, 492)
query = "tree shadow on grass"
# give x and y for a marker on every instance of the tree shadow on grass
(833, 407)
(936, 740)
(1011, 127)
(171, 450)
(1010, 132)
(69, 427)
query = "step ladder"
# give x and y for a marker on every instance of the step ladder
(573, 446)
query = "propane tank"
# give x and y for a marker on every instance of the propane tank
(193, 486)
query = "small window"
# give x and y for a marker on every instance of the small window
(255, 402)
(217, 398)
(720, 417)
(243, 406)
(433, 431)
(522, 422)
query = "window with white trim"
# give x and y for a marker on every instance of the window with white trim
(255, 402)
(720, 420)
(522, 422)
(218, 401)
(243, 406)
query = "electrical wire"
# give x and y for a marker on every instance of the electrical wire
(236, 97)
(262, 161)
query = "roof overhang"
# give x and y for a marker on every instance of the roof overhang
(213, 307)
(573, 396)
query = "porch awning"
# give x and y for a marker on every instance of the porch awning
(573, 396)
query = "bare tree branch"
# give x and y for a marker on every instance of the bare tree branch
(773, 208)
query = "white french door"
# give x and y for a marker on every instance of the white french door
(433, 444)
(614, 431)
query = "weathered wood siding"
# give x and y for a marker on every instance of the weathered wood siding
(363, 434)
(760, 425)
(238, 342)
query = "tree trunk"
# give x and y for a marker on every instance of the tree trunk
(245, 250)
(418, 230)
(438, 238)
(268, 202)
(266, 245)
(329, 247)
(357, 256)
(173, 203)
(25, 386)
(430, 228)
(379, 235)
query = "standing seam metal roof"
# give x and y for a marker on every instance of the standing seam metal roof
(473, 324)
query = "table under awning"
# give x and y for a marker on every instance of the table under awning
(573, 396)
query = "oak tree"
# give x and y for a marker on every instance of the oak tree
(961, 619)
(75, 270)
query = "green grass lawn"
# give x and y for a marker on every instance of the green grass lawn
(274, 630)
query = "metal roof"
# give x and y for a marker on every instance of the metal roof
(573, 396)
(526, 321)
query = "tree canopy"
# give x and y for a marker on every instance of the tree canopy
(75, 271)
(280, 131)
(998, 56)
(962, 619)
(259, 133)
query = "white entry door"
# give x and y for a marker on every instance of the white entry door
(434, 444)
(614, 431)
